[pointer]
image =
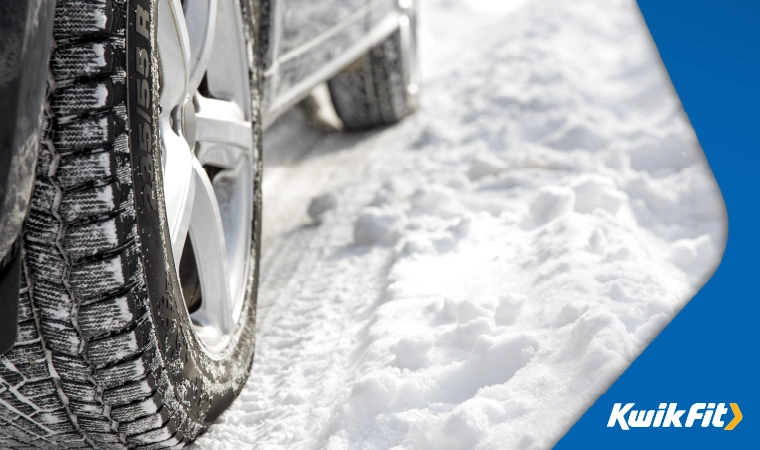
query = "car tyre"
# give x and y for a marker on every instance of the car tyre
(381, 87)
(108, 355)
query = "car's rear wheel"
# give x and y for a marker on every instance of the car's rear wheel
(136, 321)
(382, 87)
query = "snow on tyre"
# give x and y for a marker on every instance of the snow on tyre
(137, 308)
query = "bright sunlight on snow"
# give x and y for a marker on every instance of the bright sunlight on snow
(476, 276)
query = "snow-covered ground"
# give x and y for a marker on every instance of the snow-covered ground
(483, 271)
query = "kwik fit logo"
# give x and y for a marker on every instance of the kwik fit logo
(668, 415)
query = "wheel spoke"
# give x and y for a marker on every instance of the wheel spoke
(200, 17)
(227, 71)
(207, 235)
(222, 132)
(174, 51)
(179, 187)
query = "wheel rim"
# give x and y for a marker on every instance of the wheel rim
(207, 158)
(408, 26)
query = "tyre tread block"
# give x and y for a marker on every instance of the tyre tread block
(85, 60)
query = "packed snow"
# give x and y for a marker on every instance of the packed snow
(476, 276)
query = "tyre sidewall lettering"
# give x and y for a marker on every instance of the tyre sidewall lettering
(139, 71)
(145, 153)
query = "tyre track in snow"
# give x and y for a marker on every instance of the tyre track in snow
(295, 171)
(311, 275)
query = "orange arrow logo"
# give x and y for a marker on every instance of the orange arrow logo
(737, 417)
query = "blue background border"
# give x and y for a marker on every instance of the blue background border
(708, 353)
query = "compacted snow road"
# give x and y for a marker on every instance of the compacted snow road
(477, 275)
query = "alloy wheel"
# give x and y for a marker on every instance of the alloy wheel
(208, 155)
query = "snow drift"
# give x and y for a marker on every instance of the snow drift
(477, 275)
